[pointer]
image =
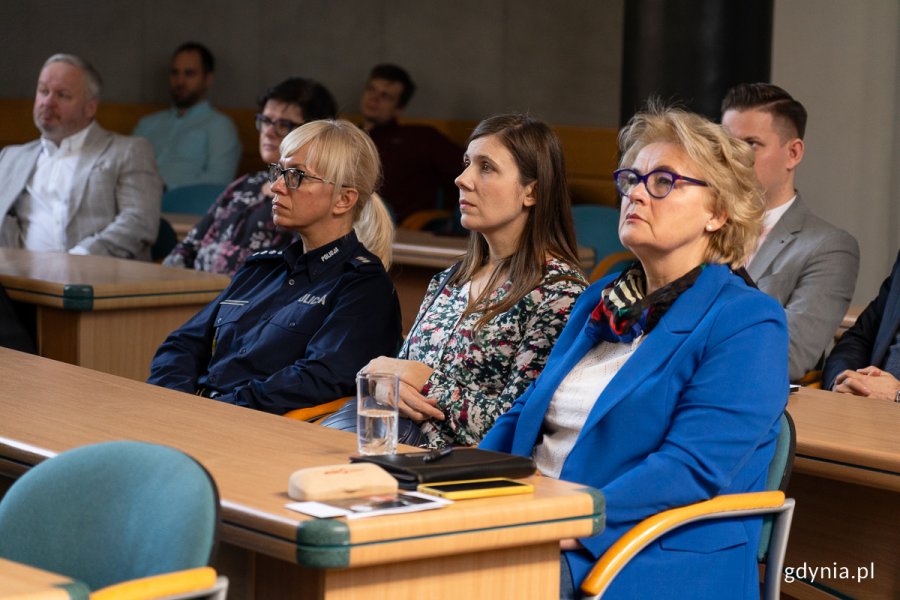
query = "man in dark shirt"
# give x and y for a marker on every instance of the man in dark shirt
(866, 360)
(419, 163)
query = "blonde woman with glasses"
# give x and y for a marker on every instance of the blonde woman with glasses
(295, 326)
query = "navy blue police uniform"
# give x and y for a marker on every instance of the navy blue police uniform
(290, 331)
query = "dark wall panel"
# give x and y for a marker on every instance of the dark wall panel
(692, 51)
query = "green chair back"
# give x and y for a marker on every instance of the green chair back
(191, 199)
(597, 227)
(111, 512)
(778, 476)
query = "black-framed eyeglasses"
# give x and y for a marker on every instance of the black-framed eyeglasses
(293, 177)
(658, 182)
(282, 126)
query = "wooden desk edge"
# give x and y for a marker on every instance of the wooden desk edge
(326, 543)
(64, 300)
(847, 472)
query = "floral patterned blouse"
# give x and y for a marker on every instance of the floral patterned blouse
(478, 375)
(238, 224)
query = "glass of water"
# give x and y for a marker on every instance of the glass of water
(378, 399)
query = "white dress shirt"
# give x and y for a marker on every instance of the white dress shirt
(770, 218)
(43, 208)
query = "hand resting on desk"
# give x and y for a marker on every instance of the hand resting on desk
(869, 381)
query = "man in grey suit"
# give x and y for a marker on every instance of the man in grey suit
(79, 188)
(804, 262)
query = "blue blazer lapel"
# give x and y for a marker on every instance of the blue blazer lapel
(532, 418)
(654, 352)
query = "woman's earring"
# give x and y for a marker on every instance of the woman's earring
(708, 227)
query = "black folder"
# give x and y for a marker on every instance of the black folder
(463, 463)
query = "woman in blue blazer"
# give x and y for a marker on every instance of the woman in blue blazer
(666, 386)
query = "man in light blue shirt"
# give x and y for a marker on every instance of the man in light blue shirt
(193, 142)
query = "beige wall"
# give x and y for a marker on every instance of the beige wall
(841, 58)
(471, 58)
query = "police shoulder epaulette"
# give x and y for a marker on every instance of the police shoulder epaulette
(264, 255)
(359, 261)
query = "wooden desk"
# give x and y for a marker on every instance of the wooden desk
(849, 319)
(486, 548)
(23, 582)
(419, 255)
(422, 248)
(104, 313)
(182, 223)
(846, 481)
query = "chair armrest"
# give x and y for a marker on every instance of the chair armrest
(812, 379)
(419, 219)
(653, 527)
(158, 586)
(312, 413)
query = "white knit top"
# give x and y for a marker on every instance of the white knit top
(573, 401)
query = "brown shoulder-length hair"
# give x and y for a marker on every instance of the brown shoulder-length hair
(548, 230)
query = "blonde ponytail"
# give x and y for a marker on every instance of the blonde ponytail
(375, 229)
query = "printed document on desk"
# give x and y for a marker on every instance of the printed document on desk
(369, 506)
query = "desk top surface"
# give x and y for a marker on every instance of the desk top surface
(422, 248)
(182, 223)
(849, 430)
(96, 282)
(23, 582)
(48, 407)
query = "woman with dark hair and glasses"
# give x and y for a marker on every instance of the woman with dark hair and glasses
(487, 324)
(667, 384)
(295, 326)
(239, 223)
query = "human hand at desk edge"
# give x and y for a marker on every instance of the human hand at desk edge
(570, 544)
(413, 375)
(869, 381)
(410, 371)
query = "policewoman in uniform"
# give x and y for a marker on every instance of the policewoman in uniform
(294, 326)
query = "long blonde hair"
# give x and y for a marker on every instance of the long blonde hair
(343, 154)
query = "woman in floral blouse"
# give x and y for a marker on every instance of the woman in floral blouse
(240, 223)
(487, 324)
